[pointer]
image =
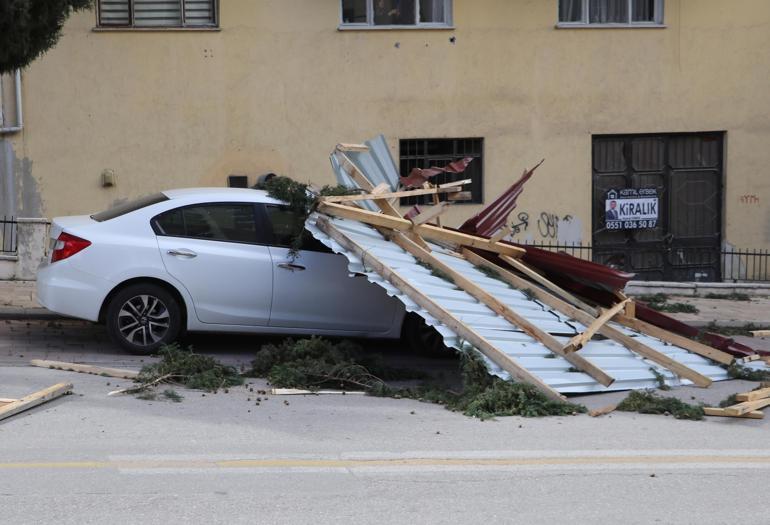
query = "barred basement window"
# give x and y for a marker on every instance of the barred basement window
(157, 13)
(425, 153)
(396, 13)
(610, 12)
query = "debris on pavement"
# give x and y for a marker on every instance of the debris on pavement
(85, 369)
(557, 336)
(10, 407)
(748, 406)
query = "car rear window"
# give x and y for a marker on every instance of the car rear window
(128, 207)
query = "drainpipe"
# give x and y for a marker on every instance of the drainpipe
(19, 115)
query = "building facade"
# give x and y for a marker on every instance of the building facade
(669, 99)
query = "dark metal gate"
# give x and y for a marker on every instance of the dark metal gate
(686, 170)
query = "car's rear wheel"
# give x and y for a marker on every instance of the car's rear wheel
(422, 338)
(143, 317)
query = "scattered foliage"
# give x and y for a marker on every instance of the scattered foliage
(734, 330)
(660, 378)
(29, 28)
(647, 402)
(735, 296)
(301, 202)
(173, 395)
(485, 396)
(659, 302)
(728, 401)
(187, 368)
(737, 371)
(316, 363)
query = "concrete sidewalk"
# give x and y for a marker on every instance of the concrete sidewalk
(17, 301)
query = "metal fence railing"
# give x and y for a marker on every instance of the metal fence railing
(745, 265)
(575, 249)
(750, 265)
(7, 235)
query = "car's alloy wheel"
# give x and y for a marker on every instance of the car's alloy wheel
(143, 320)
(143, 317)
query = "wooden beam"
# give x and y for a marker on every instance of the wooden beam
(577, 342)
(501, 233)
(501, 309)
(352, 147)
(460, 196)
(675, 339)
(430, 213)
(85, 369)
(545, 283)
(760, 333)
(448, 319)
(34, 399)
(565, 308)
(456, 183)
(299, 392)
(746, 407)
(389, 195)
(384, 204)
(762, 393)
(426, 230)
(713, 411)
(603, 411)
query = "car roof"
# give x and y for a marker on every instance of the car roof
(213, 194)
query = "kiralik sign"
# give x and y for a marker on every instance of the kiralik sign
(630, 209)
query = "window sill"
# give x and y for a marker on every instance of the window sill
(343, 27)
(155, 29)
(611, 26)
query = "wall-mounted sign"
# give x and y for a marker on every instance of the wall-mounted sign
(631, 209)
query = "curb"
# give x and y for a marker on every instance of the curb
(29, 314)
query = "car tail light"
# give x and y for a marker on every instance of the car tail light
(68, 245)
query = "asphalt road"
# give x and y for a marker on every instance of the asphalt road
(90, 458)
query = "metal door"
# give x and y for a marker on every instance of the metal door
(686, 170)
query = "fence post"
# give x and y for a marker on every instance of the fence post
(32, 246)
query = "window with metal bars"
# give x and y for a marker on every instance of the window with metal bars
(610, 12)
(426, 153)
(157, 13)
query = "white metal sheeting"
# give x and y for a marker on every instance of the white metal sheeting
(629, 370)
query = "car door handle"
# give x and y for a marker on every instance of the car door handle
(291, 266)
(182, 252)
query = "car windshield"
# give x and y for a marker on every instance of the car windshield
(128, 207)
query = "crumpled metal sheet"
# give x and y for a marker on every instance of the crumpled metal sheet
(629, 370)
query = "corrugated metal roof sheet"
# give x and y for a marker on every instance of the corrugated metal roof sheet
(629, 369)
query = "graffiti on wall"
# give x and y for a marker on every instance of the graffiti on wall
(749, 199)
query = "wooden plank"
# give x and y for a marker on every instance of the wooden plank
(630, 309)
(299, 392)
(501, 309)
(352, 147)
(713, 411)
(456, 183)
(747, 406)
(760, 333)
(7, 400)
(675, 339)
(603, 411)
(430, 213)
(565, 308)
(34, 399)
(384, 204)
(502, 232)
(450, 321)
(85, 369)
(460, 196)
(426, 230)
(762, 393)
(577, 342)
(545, 283)
(750, 358)
(389, 195)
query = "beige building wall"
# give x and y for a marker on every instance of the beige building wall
(279, 85)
